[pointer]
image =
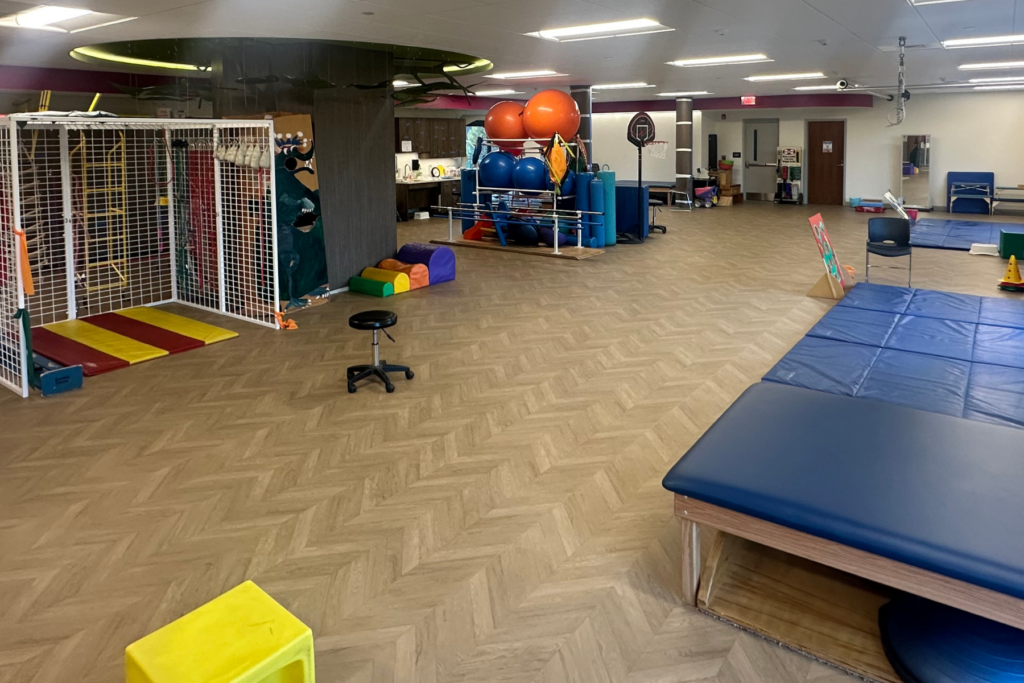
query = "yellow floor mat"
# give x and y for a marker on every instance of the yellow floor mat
(208, 334)
(110, 343)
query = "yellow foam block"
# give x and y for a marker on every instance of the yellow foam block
(242, 636)
(400, 281)
(110, 343)
(208, 334)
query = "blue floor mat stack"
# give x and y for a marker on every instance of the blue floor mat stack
(953, 234)
(947, 353)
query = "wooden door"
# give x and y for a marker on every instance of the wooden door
(404, 132)
(826, 161)
(421, 136)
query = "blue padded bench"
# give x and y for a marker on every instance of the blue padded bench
(921, 502)
(954, 354)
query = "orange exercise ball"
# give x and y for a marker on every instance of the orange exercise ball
(549, 112)
(504, 121)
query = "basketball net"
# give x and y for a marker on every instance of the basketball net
(658, 149)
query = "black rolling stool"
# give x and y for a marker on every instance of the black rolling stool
(377, 321)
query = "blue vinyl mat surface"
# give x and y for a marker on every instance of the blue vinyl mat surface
(954, 234)
(954, 354)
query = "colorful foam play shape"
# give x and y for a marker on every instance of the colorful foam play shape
(363, 285)
(496, 170)
(504, 121)
(419, 275)
(439, 260)
(530, 173)
(399, 281)
(242, 636)
(549, 112)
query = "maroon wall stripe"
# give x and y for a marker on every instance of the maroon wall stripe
(74, 80)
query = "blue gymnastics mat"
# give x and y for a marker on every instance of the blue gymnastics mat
(954, 354)
(955, 234)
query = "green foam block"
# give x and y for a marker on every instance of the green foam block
(372, 287)
(1011, 244)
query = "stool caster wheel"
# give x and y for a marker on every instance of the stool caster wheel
(409, 374)
(390, 388)
(351, 388)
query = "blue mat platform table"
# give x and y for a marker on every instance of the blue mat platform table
(956, 234)
(830, 507)
(954, 354)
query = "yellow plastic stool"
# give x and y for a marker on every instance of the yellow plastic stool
(243, 636)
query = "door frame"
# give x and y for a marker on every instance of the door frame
(807, 152)
(778, 123)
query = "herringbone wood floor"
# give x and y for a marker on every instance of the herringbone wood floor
(499, 518)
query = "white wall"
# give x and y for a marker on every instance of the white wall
(611, 146)
(970, 132)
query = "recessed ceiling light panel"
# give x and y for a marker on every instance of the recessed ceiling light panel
(495, 93)
(620, 86)
(721, 61)
(986, 41)
(61, 19)
(611, 29)
(514, 75)
(984, 66)
(786, 77)
(685, 93)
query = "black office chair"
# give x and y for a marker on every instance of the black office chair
(377, 321)
(889, 237)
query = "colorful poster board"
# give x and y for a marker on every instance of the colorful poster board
(828, 254)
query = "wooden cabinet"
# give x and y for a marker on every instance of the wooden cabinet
(439, 145)
(404, 133)
(457, 137)
(436, 138)
(447, 194)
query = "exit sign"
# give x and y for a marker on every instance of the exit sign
(748, 100)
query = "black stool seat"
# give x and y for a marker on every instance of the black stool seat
(373, 320)
(376, 322)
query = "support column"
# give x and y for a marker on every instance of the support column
(584, 100)
(684, 146)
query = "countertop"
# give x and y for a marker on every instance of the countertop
(425, 181)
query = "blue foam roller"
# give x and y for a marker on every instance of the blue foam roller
(930, 643)
(610, 227)
(597, 221)
(583, 181)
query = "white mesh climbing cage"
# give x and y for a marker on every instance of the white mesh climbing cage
(118, 213)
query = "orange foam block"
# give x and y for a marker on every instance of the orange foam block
(418, 274)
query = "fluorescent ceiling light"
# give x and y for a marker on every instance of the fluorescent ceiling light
(1008, 79)
(715, 61)
(921, 3)
(691, 93)
(982, 66)
(47, 15)
(620, 86)
(786, 77)
(1019, 86)
(984, 42)
(102, 55)
(818, 87)
(611, 29)
(400, 84)
(61, 19)
(492, 93)
(512, 75)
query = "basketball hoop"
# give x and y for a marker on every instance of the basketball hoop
(657, 149)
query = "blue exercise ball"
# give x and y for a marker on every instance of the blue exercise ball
(496, 170)
(569, 185)
(530, 173)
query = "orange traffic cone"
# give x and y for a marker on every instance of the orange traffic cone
(1012, 281)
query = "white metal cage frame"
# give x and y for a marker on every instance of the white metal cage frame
(118, 213)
